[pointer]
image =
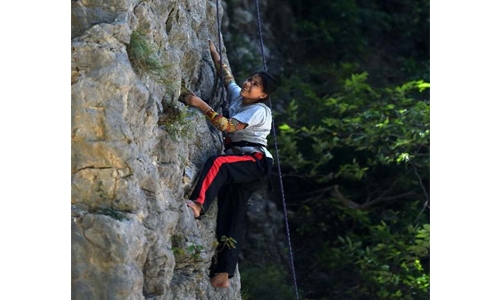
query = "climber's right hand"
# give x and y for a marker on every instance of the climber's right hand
(213, 52)
(219, 66)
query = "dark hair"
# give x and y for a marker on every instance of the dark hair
(269, 82)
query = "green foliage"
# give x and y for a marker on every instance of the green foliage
(374, 144)
(384, 127)
(353, 121)
(146, 57)
(177, 121)
(113, 213)
(389, 37)
(225, 241)
(387, 263)
(265, 283)
(183, 250)
(228, 242)
(194, 251)
(353, 254)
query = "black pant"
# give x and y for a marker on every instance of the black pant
(233, 179)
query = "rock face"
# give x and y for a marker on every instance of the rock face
(136, 150)
(132, 235)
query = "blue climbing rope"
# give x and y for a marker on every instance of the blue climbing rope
(277, 158)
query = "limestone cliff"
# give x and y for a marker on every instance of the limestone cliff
(136, 150)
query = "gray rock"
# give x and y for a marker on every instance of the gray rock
(132, 235)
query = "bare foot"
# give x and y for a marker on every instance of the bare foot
(195, 206)
(220, 280)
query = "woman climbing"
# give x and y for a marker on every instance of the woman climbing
(233, 177)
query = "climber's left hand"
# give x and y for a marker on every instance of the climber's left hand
(193, 100)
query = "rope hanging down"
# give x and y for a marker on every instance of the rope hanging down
(277, 158)
(219, 30)
(273, 130)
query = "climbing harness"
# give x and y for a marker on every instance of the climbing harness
(224, 107)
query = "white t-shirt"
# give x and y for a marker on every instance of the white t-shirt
(258, 117)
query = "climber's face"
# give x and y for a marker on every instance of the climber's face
(252, 90)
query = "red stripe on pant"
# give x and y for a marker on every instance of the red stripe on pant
(214, 170)
(232, 179)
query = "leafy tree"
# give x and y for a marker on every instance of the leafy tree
(353, 121)
(385, 37)
(356, 175)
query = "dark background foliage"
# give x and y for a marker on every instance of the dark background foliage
(353, 129)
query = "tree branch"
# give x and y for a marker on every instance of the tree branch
(335, 192)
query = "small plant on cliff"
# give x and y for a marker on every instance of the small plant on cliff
(174, 120)
(195, 251)
(113, 213)
(145, 57)
(226, 242)
(181, 248)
